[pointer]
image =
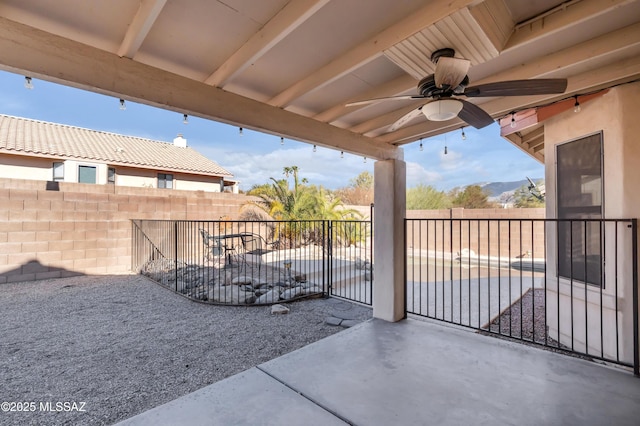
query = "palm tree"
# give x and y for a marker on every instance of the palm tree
(297, 205)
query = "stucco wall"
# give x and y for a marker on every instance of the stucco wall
(615, 115)
(33, 168)
(85, 228)
(14, 166)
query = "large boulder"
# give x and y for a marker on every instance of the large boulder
(269, 297)
(292, 293)
(230, 294)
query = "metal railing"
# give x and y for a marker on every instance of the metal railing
(255, 262)
(571, 285)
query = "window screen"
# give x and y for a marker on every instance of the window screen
(579, 182)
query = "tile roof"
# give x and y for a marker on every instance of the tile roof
(40, 138)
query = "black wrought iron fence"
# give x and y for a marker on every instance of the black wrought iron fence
(568, 284)
(255, 262)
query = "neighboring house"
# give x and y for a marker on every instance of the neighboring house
(38, 150)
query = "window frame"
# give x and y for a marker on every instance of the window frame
(88, 166)
(111, 178)
(585, 233)
(54, 177)
(162, 178)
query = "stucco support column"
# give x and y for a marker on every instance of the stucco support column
(390, 206)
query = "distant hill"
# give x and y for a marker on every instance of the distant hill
(494, 189)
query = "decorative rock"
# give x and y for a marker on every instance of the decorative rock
(291, 293)
(313, 289)
(227, 294)
(279, 309)
(348, 323)
(243, 279)
(333, 321)
(269, 297)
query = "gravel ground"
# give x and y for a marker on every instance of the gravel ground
(122, 345)
(526, 319)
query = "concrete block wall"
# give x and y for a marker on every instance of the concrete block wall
(86, 229)
(493, 237)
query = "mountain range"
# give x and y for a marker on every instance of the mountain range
(497, 189)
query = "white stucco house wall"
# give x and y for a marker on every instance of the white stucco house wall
(38, 150)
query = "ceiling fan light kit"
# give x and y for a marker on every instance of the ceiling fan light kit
(442, 109)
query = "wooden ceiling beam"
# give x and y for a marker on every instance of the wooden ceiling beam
(601, 78)
(290, 17)
(516, 141)
(390, 88)
(30, 51)
(594, 49)
(140, 26)
(534, 138)
(434, 11)
(628, 37)
(566, 15)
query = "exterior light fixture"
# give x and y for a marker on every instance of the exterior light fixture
(442, 109)
(421, 147)
(445, 150)
(281, 140)
(314, 148)
(28, 83)
(463, 136)
(341, 154)
(123, 106)
(185, 120)
(513, 120)
(576, 106)
(364, 159)
(240, 131)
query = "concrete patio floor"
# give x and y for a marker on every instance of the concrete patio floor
(412, 373)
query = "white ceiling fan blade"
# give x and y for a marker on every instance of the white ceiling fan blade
(405, 119)
(451, 71)
(389, 98)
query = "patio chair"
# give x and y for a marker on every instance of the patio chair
(254, 246)
(221, 248)
(213, 249)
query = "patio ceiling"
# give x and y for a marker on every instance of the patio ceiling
(289, 67)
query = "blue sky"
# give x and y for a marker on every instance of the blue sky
(254, 157)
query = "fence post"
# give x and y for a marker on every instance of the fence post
(405, 261)
(330, 259)
(634, 250)
(134, 246)
(175, 252)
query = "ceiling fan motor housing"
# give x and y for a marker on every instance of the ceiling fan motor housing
(448, 52)
(427, 87)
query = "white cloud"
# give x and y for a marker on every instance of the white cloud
(417, 174)
(323, 167)
(452, 160)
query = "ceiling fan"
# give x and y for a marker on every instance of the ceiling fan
(450, 82)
